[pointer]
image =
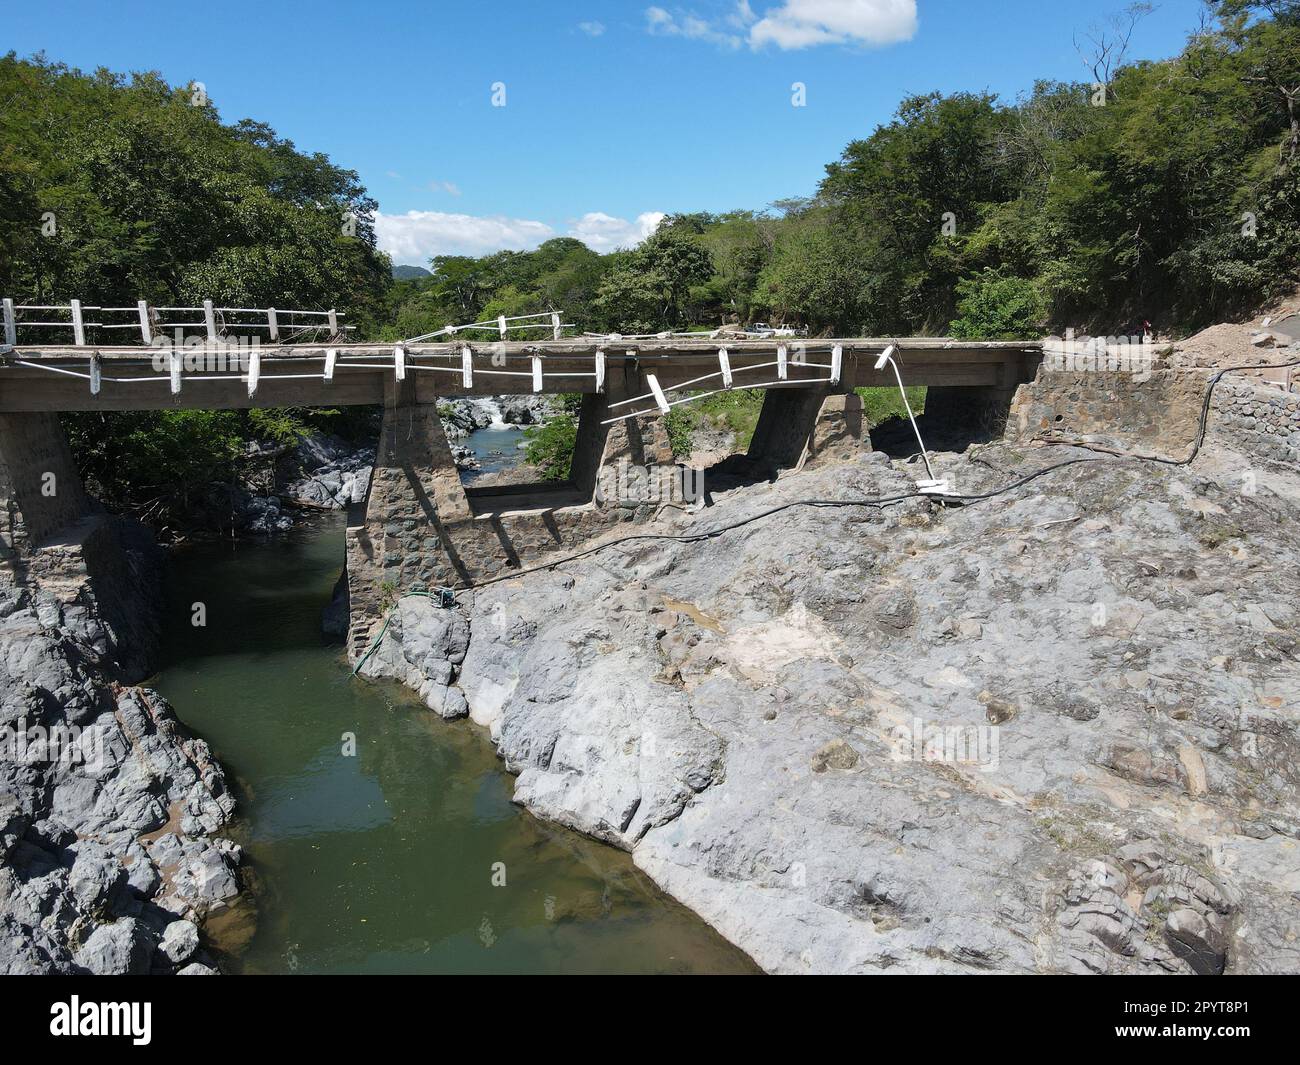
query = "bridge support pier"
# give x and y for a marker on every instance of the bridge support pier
(420, 529)
(799, 425)
(40, 490)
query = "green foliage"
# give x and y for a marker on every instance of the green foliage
(881, 404)
(647, 289)
(549, 446)
(155, 198)
(158, 463)
(735, 411)
(993, 307)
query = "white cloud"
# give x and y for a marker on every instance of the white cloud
(802, 23)
(417, 236)
(662, 23)
(444, 186)
(605, 233)
(796, 24)
(592, 29)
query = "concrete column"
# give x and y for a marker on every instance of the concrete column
(600, 449)
(800, 425)
(403, 538)
(40, 490)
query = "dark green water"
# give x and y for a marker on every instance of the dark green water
(383, 862)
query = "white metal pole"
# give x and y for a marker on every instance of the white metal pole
(925, 456)
(78, 327)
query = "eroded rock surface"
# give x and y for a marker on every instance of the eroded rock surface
(109, 810)
(1051, 732)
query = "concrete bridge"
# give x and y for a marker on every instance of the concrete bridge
(419, 527)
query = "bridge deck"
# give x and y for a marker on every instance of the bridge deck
(58, 377)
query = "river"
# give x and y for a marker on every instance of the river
(384, 861)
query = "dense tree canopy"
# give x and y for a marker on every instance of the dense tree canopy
(115, 189)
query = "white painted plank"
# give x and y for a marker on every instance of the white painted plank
(660, 399)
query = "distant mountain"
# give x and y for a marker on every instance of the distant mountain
(405, 273)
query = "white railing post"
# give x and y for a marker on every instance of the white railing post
(330, 356)
(466, 367)
(537, 373)
(600, 371)
(78, 326)
(11, 324)
(210, 320)
(660, 399)
(272, 323)
(724, 364)
(175, 360)
(142, 309)
(254, 371)
(334, 322)
(501, 325)
(782, 365)
(96, 368)
(556, 329)
(399, 362)
(837, 358)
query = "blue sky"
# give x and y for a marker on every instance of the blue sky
(614, 112)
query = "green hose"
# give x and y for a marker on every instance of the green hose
(387, 619)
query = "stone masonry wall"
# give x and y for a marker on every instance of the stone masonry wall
(40, 491)
(1257, 419)
(1159, 412)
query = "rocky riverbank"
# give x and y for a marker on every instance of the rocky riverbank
(1056, 731)
(110, 813)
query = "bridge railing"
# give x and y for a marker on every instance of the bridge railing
(147, 323)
